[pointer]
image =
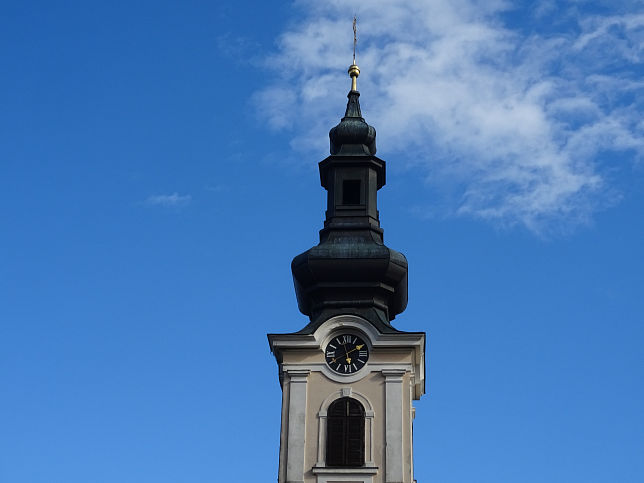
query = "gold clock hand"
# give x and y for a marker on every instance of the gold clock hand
(346, 353)
(356, 348)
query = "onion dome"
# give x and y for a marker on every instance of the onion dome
(353, 135)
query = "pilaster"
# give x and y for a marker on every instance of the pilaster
(394, 464)
(296, 425)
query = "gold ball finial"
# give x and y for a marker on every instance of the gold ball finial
(354, 72)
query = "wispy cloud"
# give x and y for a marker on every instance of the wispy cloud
(525, 126)
(174, 200)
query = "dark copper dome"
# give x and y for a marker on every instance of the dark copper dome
(351, 270)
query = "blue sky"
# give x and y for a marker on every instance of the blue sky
(158, 170)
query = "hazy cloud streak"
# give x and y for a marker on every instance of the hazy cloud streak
(174, 200)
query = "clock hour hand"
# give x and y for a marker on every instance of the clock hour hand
(356, 348)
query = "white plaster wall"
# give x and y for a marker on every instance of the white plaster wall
(372, 386)
(396, 357)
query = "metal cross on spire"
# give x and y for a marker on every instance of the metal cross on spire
(354, 70)
(355, 38)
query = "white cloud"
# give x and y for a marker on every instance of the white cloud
(522, 123)
(174, 200)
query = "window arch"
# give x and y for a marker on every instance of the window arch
(345, 433)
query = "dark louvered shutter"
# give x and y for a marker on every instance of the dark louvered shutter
(335, 447)
(355, 434)
(345, 433)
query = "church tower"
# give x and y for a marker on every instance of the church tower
(349, 377)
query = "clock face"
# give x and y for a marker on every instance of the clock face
(346, 353)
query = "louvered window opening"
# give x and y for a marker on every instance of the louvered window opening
(345, 433)
(351, 192)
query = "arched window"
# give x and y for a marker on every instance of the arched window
(345, 433)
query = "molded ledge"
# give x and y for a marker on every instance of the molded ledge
(360, 470)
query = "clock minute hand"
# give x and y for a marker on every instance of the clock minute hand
(346, 354)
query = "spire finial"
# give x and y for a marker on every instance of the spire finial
(354, 70)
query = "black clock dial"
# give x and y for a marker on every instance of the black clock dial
(346, 353)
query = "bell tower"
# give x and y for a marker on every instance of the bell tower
(349, 377)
